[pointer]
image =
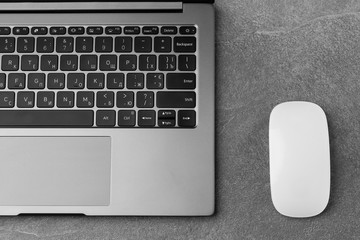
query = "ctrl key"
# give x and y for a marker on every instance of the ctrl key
(187, 118)
(127, 118)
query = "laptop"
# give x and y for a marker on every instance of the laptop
(107, 108)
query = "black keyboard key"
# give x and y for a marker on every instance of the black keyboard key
(58, 30)
(108, 62)
(45, 44)
(64, 44)
(143, 44)
(147, 62)
(49, 62)
(104, 44)
(84, 44)
(29, 62)
(56, 81)
(88, 62)
(133, 30)
(7, 100)
(94, 30)
(36, 81)
(76, 30)
(10, 63)
(25, 44)
(128, 62)
(166, 114)
(167, 62)
(104, 99)
(125, 99)
(175, 99)
(155, 80)
(171, 30)
(46, 118)
(39, 30)
(145, 99)
(5, 30)
(123, 44)
(150, 30)
(69, 62)
(187, 62)
(95, 81)
(184, 44)
(162, 44)
(85, 99)
(20, 30)
(7, 44)
(166, 123)
(181, 80)
(146, 118)
(105, 118)
(126, 118)
(2, 80)
(188, 30)
(65, 99)
(45, 99)
(113, 30)
(16, 81)
(135, 80)
(25, 99)
(187, 118)
(115, 81)
(75, 80)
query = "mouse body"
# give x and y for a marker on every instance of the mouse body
(299, 155)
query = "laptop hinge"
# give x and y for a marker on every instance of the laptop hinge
(89, 6)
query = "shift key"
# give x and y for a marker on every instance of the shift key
(175, 99)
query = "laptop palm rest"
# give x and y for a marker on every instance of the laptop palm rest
(55, 171)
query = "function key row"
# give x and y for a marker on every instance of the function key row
(98, 30)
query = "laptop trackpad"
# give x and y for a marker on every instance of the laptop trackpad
(55, 171)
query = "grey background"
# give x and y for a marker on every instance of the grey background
(267, 52)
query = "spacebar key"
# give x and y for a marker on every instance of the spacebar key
(46, 118)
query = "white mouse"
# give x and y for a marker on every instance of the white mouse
(299, 159)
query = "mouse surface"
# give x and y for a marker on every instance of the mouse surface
(299, 159)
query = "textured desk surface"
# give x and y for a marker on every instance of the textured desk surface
(267, 52)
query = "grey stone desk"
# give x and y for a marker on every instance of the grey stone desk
(267, 52)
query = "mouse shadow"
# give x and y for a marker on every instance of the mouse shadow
(333, 170)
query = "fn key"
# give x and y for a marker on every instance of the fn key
(187, 118)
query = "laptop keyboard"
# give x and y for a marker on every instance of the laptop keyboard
(98, 76)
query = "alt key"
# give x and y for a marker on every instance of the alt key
(105, 118)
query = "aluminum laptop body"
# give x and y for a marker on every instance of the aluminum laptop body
(112, 157)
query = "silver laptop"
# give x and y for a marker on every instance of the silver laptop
(107, 108)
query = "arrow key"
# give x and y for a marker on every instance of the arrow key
(146, 118)
(187, 118)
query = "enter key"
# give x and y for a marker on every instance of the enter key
(181, 80)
